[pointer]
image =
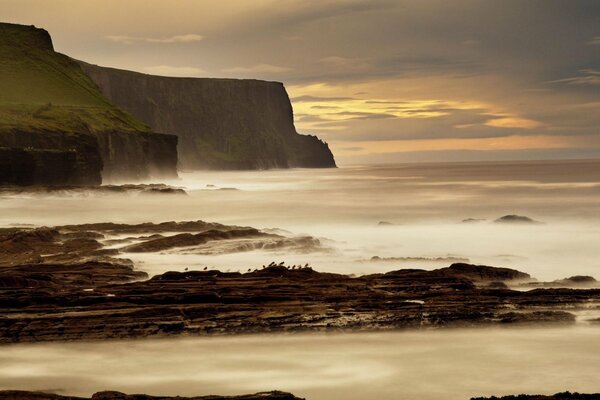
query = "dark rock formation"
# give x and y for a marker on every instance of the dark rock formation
(573, 281)
(221, 123)
(516, 219)
(483, 273)
(472, 220)
(134, 157)
(557, 396)
(49, 158)
(61, 283)
(30, 167)
(48, 105)
(446, 260)
(110, 395)
(70, 190)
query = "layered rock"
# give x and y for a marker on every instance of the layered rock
(64, 283)
(49, 105)
(49, 158)
(221, 123)
(111, 395)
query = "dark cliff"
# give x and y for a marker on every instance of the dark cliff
(221, 123)
(56, 127)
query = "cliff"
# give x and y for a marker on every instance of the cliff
(48, 105)
(221, 123)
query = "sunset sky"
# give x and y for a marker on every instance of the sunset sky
(381, 81)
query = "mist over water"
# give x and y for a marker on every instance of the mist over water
(424, 206)
(424, 203)
(431, 365)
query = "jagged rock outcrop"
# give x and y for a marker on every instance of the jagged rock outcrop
(221, 123)
(48, 105)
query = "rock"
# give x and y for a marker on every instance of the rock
(188, 239)
(472, 220)
(572, 282)
(420, 259)
(221, 123)
(483, 273)
(60, 283)
(497, 285)
(385, 223)
(538, 317)
(78, 190)
(580, 280)
(516, 219)
(111, 395)
(48, 158)
(83, 302)
(557, 396)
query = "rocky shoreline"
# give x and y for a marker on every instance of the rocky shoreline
(65, 283)
(557, 396)
(111, 395)
(274, 395)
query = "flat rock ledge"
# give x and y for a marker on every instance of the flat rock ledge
(275, 395)
(557, 396)
(109, 395)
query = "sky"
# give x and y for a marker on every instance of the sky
(381, 80)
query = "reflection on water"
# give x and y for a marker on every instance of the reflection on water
(449, 364)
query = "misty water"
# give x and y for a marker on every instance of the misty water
(424, 203)
(431, 365)
(424, 206)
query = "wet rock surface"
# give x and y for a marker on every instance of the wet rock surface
(63, 283)
(76, 190)
(557, 396)
(111, 395)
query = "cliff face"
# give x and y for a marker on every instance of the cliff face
(30, 167)
(221, 123)
(39, 158)
(49, 105)
(137, 157)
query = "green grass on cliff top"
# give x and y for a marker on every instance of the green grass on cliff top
(41, 90)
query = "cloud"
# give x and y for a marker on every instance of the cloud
(513, 122)
(311, 99)
(188, 38)
(595, 41)
(347, 64)
(589, 77)
(169, 70)
(257, 69)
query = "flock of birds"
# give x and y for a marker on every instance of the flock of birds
(272, 264)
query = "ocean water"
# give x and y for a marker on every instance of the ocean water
(431, 365)
(424, 205)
